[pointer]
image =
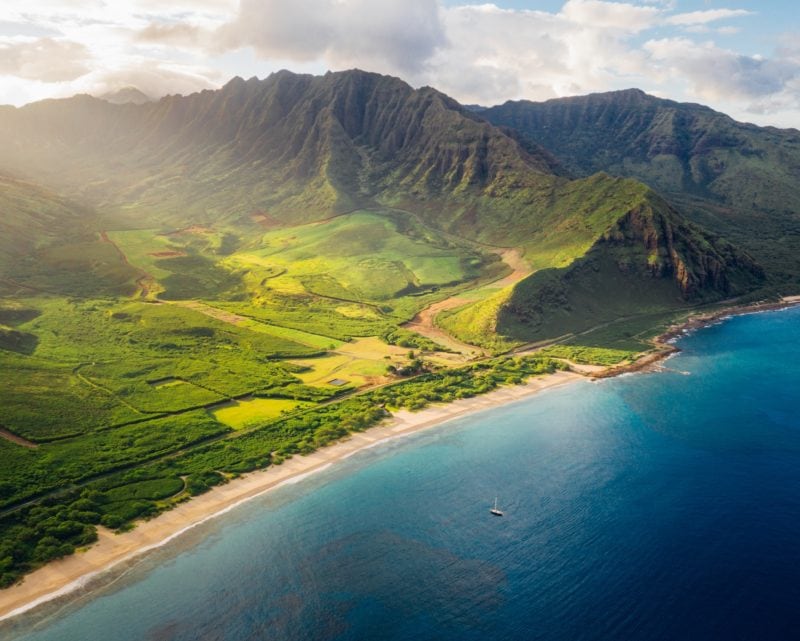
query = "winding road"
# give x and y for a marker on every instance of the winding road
(424, 323)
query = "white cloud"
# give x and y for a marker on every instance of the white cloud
(591, 45)
(497, 54)
(153, 79)
(177, 34)
(704, 17)
(395, 35)
(598, 14)
(45, 59)
(720, 74)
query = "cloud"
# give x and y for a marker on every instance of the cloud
(475, 52)
(44, 59)
(168, 6)
(391, 35)
(25, 28)
(179, 34)
(590, 45)
(496, 54)
(719, 74)
(619, 16)
(154, 79)
(704, 17)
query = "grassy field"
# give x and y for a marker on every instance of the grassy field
(96, 362)
(363, 256)
(253, 411)
(585, 355)
(84, 364)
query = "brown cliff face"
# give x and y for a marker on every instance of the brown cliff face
(655, 240)
(649, 260)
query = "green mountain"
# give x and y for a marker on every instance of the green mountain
(737, 179)
(295, 149)
(32, 216)
(48, 244)
(649, 259)
(646, 261)
(298, 146)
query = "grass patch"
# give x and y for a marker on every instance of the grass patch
(586, 355)
(248, 412)
(364, 256)
(94, 361)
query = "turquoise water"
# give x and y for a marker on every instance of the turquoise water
(656, 506)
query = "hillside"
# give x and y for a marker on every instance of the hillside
(31, 216)
(126, 95)
(646, 260)
(735, 178)
(297, 146)
(296, 149)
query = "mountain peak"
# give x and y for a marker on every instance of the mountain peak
(126, 95)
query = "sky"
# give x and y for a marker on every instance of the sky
(741, 57)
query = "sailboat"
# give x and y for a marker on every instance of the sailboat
(495, 510)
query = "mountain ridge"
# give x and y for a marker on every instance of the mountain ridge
(735, 177)
(305, 147)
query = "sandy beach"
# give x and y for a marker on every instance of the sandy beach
(71, 573)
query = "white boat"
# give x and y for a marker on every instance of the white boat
(495, 510)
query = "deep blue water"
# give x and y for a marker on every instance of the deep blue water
(656, 506)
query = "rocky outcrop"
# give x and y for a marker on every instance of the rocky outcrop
(672, 248)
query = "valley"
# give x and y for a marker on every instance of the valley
(277, 264)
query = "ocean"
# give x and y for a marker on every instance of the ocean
(651, 506)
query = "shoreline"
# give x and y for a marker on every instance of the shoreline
(83, 569)
(80, 570)
(664, 346)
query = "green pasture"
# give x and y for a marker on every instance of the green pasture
(41, 400)
(185, 262)
(314, 315)
(586, 355)
(363, 256)
(27, 472)
(95, 363)
(142, 248)
(248, 412)
(86, 268)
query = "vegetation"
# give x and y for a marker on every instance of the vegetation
(404, 338)
(648, 260)
(103, 363)
(65, 520)
(32, 218)
(249, 412)
(585, 355)
(27, 473)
